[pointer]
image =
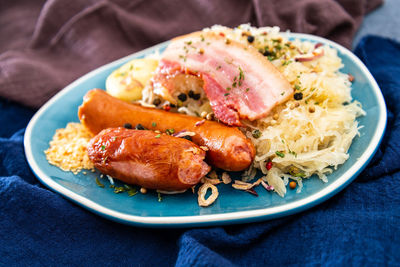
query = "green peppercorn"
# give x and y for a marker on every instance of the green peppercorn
(256, 133)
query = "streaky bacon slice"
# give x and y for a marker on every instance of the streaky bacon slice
(239, 82)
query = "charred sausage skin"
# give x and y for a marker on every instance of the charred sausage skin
(229, 149)
(148, 159)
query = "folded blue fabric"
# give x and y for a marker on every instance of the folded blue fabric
(360, 226)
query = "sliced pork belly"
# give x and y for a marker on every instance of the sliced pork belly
(239, 82)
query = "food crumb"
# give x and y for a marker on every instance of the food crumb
(68, 148)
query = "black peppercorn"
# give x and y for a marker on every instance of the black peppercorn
(196, 96)
(267, 53)
(298, 96)
(140, 127)
(250, 38)
(191, 94)
(128, 126)
(172, 105)
(182, 97)
(187, 137)
(157, 101)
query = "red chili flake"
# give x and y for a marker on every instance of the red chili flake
(252, 191)
(318, 45)
(199, 123)
(222, 34)
(268, 165)
(167, 107)
(351, 77)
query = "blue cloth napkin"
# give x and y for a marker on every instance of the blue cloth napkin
(359, 226)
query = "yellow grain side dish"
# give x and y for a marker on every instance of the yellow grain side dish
(68, 148)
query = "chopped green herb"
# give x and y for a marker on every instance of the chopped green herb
(241, 74)
(132, 192)
(218, 67)
(234, 84)
(202, 38)
(280, 154)
(297, 87)
(122, 73)
(283, 141)
(99, 183)
(282, 93)
(228, 88)
(300, 174)
(158, 136)
(170, 131)
(226, 94)
(127, 187)
(103, 147)
(287, 62)
(247, 89)
(153, 124)
(119, 189)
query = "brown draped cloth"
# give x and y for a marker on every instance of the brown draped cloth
(45, 45)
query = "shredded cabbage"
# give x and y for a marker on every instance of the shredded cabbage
(303, 137)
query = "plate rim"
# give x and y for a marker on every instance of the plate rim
(220, 218)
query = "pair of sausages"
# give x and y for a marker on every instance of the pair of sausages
(228, 147)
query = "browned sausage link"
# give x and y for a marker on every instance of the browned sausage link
(148, 159)
(229, 149)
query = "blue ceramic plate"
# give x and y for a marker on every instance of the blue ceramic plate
(181, 210)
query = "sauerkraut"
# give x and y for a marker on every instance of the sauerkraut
(307, 135)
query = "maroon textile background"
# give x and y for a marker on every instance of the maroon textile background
(45, 45)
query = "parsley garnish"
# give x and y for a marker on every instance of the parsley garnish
(99, 183)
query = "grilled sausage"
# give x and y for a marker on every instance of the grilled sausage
(229, 149)
(148, 159)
